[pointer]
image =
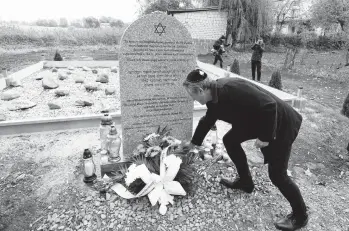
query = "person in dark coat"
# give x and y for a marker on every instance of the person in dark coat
(253, 113)
(256, 59)
(218, 50)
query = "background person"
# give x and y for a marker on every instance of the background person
(218, 50)
(256, 59)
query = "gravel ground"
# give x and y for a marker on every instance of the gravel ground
(41, 189)
(32, 90)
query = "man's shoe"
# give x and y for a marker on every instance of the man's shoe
(244, 185)
(292, 222)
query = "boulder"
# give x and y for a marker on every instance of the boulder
(94, 71)
(69, 72)
(91, 87)
(103, 78)
(62, 76)
(9, 95)
(61, 92)
(114, 69)
(21, 105)
(83, 103)
(79, 79)
(53, 106)
(71, 68)
(54, 69)
(110, 91)
(49, 83)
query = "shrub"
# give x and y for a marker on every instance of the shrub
(235, 67)
(275, 80)
(345, 109)
(58, 56)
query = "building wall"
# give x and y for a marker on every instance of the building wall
(204, 26)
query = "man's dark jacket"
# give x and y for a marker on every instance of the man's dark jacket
(251, 109)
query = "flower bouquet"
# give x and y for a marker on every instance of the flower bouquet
(161, 168)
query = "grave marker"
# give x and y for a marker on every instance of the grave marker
(156, 54)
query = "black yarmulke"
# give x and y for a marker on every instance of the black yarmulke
(196, 76)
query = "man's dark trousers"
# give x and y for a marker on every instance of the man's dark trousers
(218, 57)
(256, 65)
(277, 154)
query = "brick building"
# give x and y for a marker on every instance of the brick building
(204, 24)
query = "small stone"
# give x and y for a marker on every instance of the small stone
(62, 76)
(53, 106)
(103, 216)
(49, 83)
(9, 95)
(53, 227)
(61, 92)
(79, 79)
(21, 105)
(94, 71)
(110, 91)
(97, 203)
(107, 196)
(114, 69)
(111, 225)
(83, 103)
(88, 198)
(85, 68)
(39, 77)
(54, 70)
(71, 68)
(2, 117)
(91, 87)
(103, 78)
(61, 227)
(112, 205)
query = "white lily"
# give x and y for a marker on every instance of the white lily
(159, 188)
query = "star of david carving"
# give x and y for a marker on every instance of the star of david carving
(159, 29)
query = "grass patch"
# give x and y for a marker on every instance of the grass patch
(12, 35)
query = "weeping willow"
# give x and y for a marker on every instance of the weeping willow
(247, 19)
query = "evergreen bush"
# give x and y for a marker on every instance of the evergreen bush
(235, 67)
(57, 57)
(275, 80)
(345, 109)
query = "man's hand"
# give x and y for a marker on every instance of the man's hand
(188, 146)
(260, 144)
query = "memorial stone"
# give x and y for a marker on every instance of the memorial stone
(156, 54)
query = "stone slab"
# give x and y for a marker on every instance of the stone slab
(156, 54)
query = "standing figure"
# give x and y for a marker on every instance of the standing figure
(253, 113)
(256, 59)
(218, 50)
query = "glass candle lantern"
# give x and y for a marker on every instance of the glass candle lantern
(88, 167)
(214, 136)
(114, 143)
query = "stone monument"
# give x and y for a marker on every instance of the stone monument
(156, 54)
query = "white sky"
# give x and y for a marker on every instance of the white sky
(30, 10)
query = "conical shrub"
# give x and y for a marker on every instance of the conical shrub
(345, 109)
(275, 80)
(235, 67)
(57, 57)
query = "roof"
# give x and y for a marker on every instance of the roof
(176, 11)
